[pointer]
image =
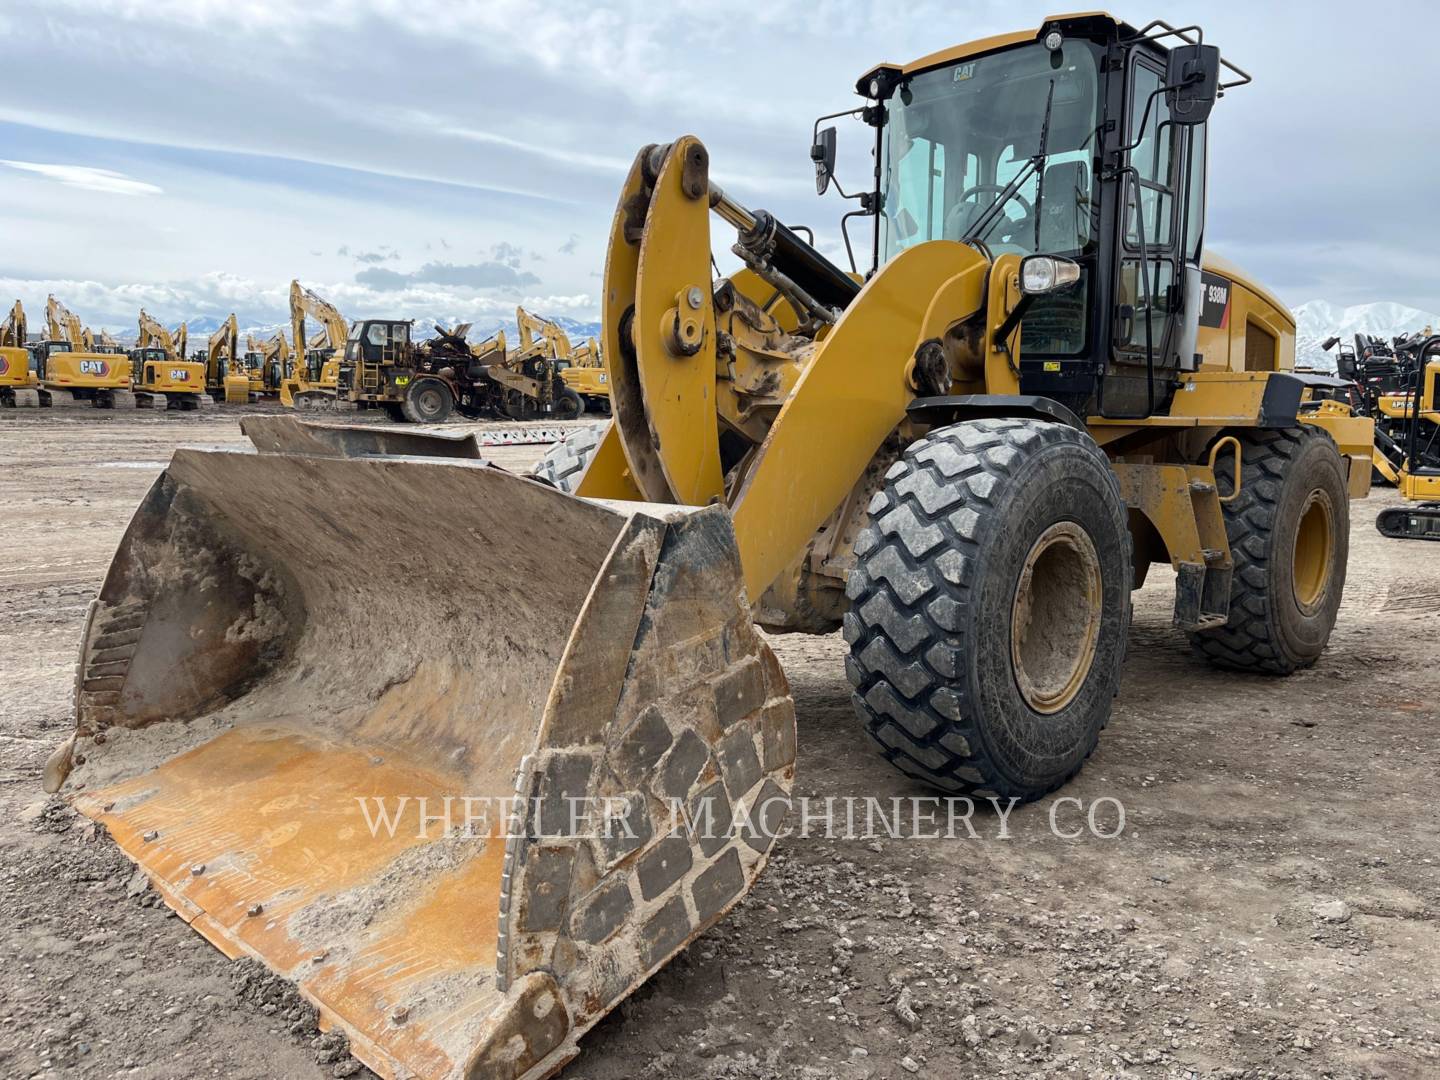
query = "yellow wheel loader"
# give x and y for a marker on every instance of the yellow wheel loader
(967, 456)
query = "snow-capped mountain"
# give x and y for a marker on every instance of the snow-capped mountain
(1318, 319)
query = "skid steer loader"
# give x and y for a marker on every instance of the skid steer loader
(968, 457)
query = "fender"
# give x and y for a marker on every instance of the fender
(951, 409)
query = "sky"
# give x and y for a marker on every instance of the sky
(449, 160)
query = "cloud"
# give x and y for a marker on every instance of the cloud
(373, 257)
(486, 275)
(266, 303)
(106, 181)
(570, 245)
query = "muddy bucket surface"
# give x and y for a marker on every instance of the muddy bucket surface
(463, 757)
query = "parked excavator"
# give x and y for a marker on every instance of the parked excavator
(1411, 443)
(966, 455)
(19, 386)
(69, 374)
(227, 377)
(104, 342)
(425, 382)
(162, 370)
(314, 380)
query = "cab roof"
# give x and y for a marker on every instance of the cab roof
(988, 44)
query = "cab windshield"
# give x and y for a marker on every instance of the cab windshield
(958, 136)
(1001, 151)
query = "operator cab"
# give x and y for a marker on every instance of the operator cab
(41, 352)
(379, 341)
(1085, 141)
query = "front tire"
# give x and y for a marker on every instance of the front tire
(427, 401)
(1289, 532)
(989, 607)
(568, 405)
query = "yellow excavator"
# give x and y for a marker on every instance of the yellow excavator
(1411, 455)
(227, 376)
(19, 386)
(162, 369)
(966, 453)
(69, 374)
(104, 342)
(315, 378)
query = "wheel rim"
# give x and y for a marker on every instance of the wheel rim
(1314, 551)
(429, 402)
(1055, 617)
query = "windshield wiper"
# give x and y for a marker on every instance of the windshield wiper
(984, 221)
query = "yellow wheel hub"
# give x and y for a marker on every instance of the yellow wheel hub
(1314, 551)
(1055, 617)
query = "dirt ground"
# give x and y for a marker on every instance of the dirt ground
(1269, 909)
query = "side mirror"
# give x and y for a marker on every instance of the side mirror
(1192, 82)
(822, 153)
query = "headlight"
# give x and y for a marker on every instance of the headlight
(1047, 273)
(1053, 40)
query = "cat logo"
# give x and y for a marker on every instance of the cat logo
(964, 71)
(179, 375)
(1215, 301)
(94, 367)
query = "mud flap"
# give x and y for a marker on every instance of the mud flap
(465, 758)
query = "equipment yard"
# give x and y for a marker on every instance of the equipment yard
(1272, 907)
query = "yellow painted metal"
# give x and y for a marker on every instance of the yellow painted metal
(1313, 560)
(622, 264)
(1419, 488)
(1182, 502)
(608, 475)
(1055, 617)
(851, 397)
(180, 377)
(674, 331)
(1354, 435)
(86, 371)
(1382, 465)
(1002, 362)
(587, 381)
(15, 368)
(1239, 461)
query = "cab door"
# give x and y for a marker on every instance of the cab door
(1158, 268)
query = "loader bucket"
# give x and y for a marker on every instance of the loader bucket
(463, 757)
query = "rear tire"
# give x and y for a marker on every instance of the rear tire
(1289, 532)
(565, 462)
(428, 401)
(989, 607)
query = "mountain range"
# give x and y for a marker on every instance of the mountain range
(1318, 319)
